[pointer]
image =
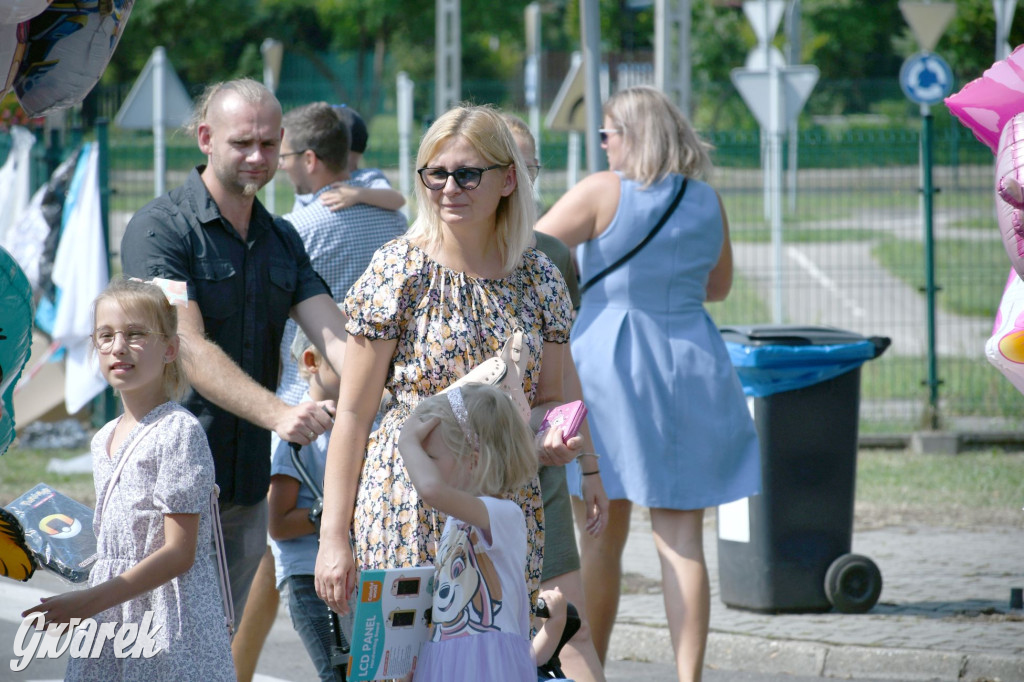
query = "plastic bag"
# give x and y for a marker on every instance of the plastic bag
(58, 532)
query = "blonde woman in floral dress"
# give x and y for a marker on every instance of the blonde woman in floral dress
(432, 305)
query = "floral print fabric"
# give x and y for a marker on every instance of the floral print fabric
(445, 323)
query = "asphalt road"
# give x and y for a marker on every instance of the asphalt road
(283, 658)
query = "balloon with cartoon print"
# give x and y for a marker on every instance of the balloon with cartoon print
(1009, 182)
(1005, 348)
(17, 11)
(68, 46)
(13, 42)
(15, 338)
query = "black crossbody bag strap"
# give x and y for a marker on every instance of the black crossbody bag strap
(617, 264)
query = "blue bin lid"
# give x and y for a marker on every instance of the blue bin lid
(774, 358)
(788, 335)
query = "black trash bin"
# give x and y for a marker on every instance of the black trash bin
(788, 549)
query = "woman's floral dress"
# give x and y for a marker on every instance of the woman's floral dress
(446, 322)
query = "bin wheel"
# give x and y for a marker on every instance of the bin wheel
(853, 583)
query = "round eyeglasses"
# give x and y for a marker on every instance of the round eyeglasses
(465, 178)
(104, 339)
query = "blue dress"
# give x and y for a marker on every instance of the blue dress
(667, 412)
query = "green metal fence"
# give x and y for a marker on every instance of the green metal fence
(853, 257)
(852, 252)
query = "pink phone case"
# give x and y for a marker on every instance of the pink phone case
(569, 416)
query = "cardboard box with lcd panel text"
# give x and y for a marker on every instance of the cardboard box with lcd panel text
(391, 621)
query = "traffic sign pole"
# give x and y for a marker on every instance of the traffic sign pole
(926, 79)
(932, 416)
(159, 147)
(775, 162)
(775, 96)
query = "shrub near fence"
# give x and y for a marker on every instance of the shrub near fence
(852, 253)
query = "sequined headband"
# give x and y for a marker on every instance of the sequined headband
(462, 416)
(176, 292)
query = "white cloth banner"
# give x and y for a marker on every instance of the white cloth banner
(26, 239)
(15, 181)
(80, 272)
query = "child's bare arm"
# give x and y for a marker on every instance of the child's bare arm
(550, 632)
(286, 521)
(342, 196)
(173, 559)
(430, 485)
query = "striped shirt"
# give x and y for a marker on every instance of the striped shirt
(340, 245)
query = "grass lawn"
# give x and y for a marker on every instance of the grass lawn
(744, 305)
(797, 235)
(968, 385)
(969, 489)
(972, 274)
(983, 480)
(22, 469)
(986, 486)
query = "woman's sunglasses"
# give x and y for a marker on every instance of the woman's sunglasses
(466, 178)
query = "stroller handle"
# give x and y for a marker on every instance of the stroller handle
(572, 626)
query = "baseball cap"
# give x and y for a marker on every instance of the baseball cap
(358, 133)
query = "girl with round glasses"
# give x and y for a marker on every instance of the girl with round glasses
(432, 305)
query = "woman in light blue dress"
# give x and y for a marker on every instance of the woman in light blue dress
(667, 411)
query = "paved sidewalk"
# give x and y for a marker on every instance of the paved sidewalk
(943, 614)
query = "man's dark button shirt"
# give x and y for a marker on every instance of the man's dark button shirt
(245, 290)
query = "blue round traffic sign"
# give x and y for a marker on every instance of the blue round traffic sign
(926, 78)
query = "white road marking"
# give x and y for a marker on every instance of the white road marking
(16, 597)
(824, 280)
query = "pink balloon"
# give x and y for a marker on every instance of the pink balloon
(1010, 190)
(986, 104)
(1005, 348)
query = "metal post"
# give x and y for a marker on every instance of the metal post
(102, 140)
(531, 78)
(405, 179)
(104, 406)
(932, 416)
(767, 140)
(1004, 11)
(572, 174)
(590, 30)
(272, 52)
(793, 57)
(775, 133)
(54, 153)
(159, 124)
(447, 56)
(672, 21)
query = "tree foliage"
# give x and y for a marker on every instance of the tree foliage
(854, 41)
